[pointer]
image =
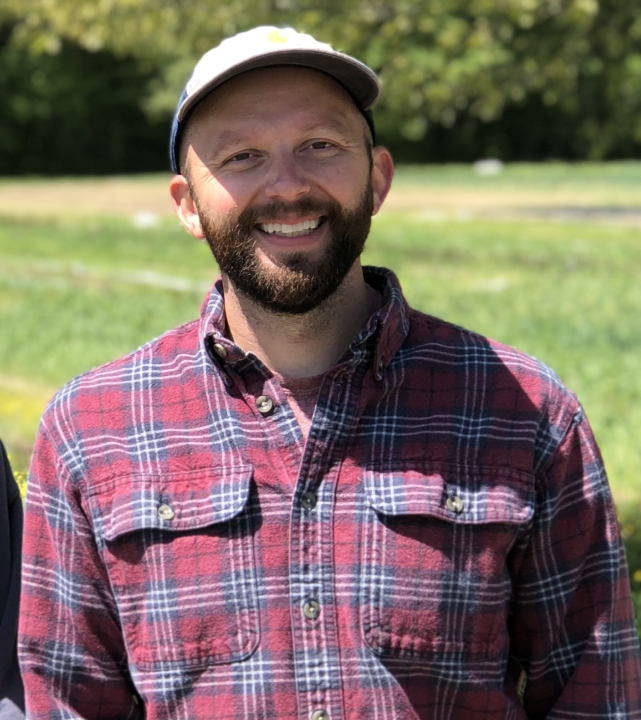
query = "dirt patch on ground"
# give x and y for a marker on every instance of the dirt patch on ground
(133, 197)
(108, 196)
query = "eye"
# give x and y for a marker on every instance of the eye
(321, 145)
(241, 156)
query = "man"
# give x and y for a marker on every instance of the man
(315, 502)
(11, 691)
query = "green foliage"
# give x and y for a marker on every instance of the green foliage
(21, 480)
(74, 111)
(457, 64)
(631, 531)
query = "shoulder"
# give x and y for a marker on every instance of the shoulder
(112, 385)
(505, 377)
(462, 347)
(96, 425)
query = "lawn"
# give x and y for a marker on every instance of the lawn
(546, 258)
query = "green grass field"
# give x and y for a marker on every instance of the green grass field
(546, 258)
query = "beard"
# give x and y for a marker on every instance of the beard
(297, 285)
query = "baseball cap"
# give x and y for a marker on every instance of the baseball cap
(267, 46)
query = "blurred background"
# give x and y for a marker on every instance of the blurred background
(516, 210)
(88, 87)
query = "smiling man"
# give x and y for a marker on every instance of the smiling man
(315, 502)
(284, 200)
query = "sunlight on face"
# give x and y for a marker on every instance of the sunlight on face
(280, 171)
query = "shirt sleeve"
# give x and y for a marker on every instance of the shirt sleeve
(572, 626)
(71, 648)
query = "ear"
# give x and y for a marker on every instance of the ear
(382, 174)
(184, 206)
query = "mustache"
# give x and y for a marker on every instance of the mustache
(298, 209)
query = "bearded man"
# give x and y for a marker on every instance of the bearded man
(315, 502)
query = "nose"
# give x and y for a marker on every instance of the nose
(287, 180)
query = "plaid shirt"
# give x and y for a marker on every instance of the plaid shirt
(445, 531)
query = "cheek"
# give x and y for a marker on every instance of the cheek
(345, 184)
(218, 199)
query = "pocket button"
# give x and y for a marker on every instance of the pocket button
(454, 504)
(166, 512)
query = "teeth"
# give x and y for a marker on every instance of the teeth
(300, 228)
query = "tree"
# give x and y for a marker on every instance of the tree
(443, 63)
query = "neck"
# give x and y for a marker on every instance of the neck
(299, 346)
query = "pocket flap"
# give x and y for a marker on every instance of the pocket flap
(174, 502)
(475, 496)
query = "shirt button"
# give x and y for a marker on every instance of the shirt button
(220, 350)
(309, 500)
(264, 404)
(166, 512)
(311, 609)
(454, 504)
(320, 715)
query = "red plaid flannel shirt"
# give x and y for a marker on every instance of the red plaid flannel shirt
(445, 532)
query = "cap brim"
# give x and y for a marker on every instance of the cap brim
(354, 76)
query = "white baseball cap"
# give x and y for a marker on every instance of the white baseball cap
(265, 47)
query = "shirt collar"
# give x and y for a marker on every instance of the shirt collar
(391, 322)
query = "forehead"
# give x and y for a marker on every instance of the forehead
(274, 95)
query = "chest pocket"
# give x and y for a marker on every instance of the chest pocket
(434, 548)
(179, 553)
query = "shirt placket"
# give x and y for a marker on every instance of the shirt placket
(312, 583)
(313, 601)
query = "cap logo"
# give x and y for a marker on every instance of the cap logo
(277, 37)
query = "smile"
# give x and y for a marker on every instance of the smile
(299, 229)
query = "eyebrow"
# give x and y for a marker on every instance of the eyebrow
(229, 138)
(233, 137)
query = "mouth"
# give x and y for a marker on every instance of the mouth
(296, 230)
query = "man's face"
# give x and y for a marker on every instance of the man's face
(280, 171)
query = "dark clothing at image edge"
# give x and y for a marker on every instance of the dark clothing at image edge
(11, 692)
